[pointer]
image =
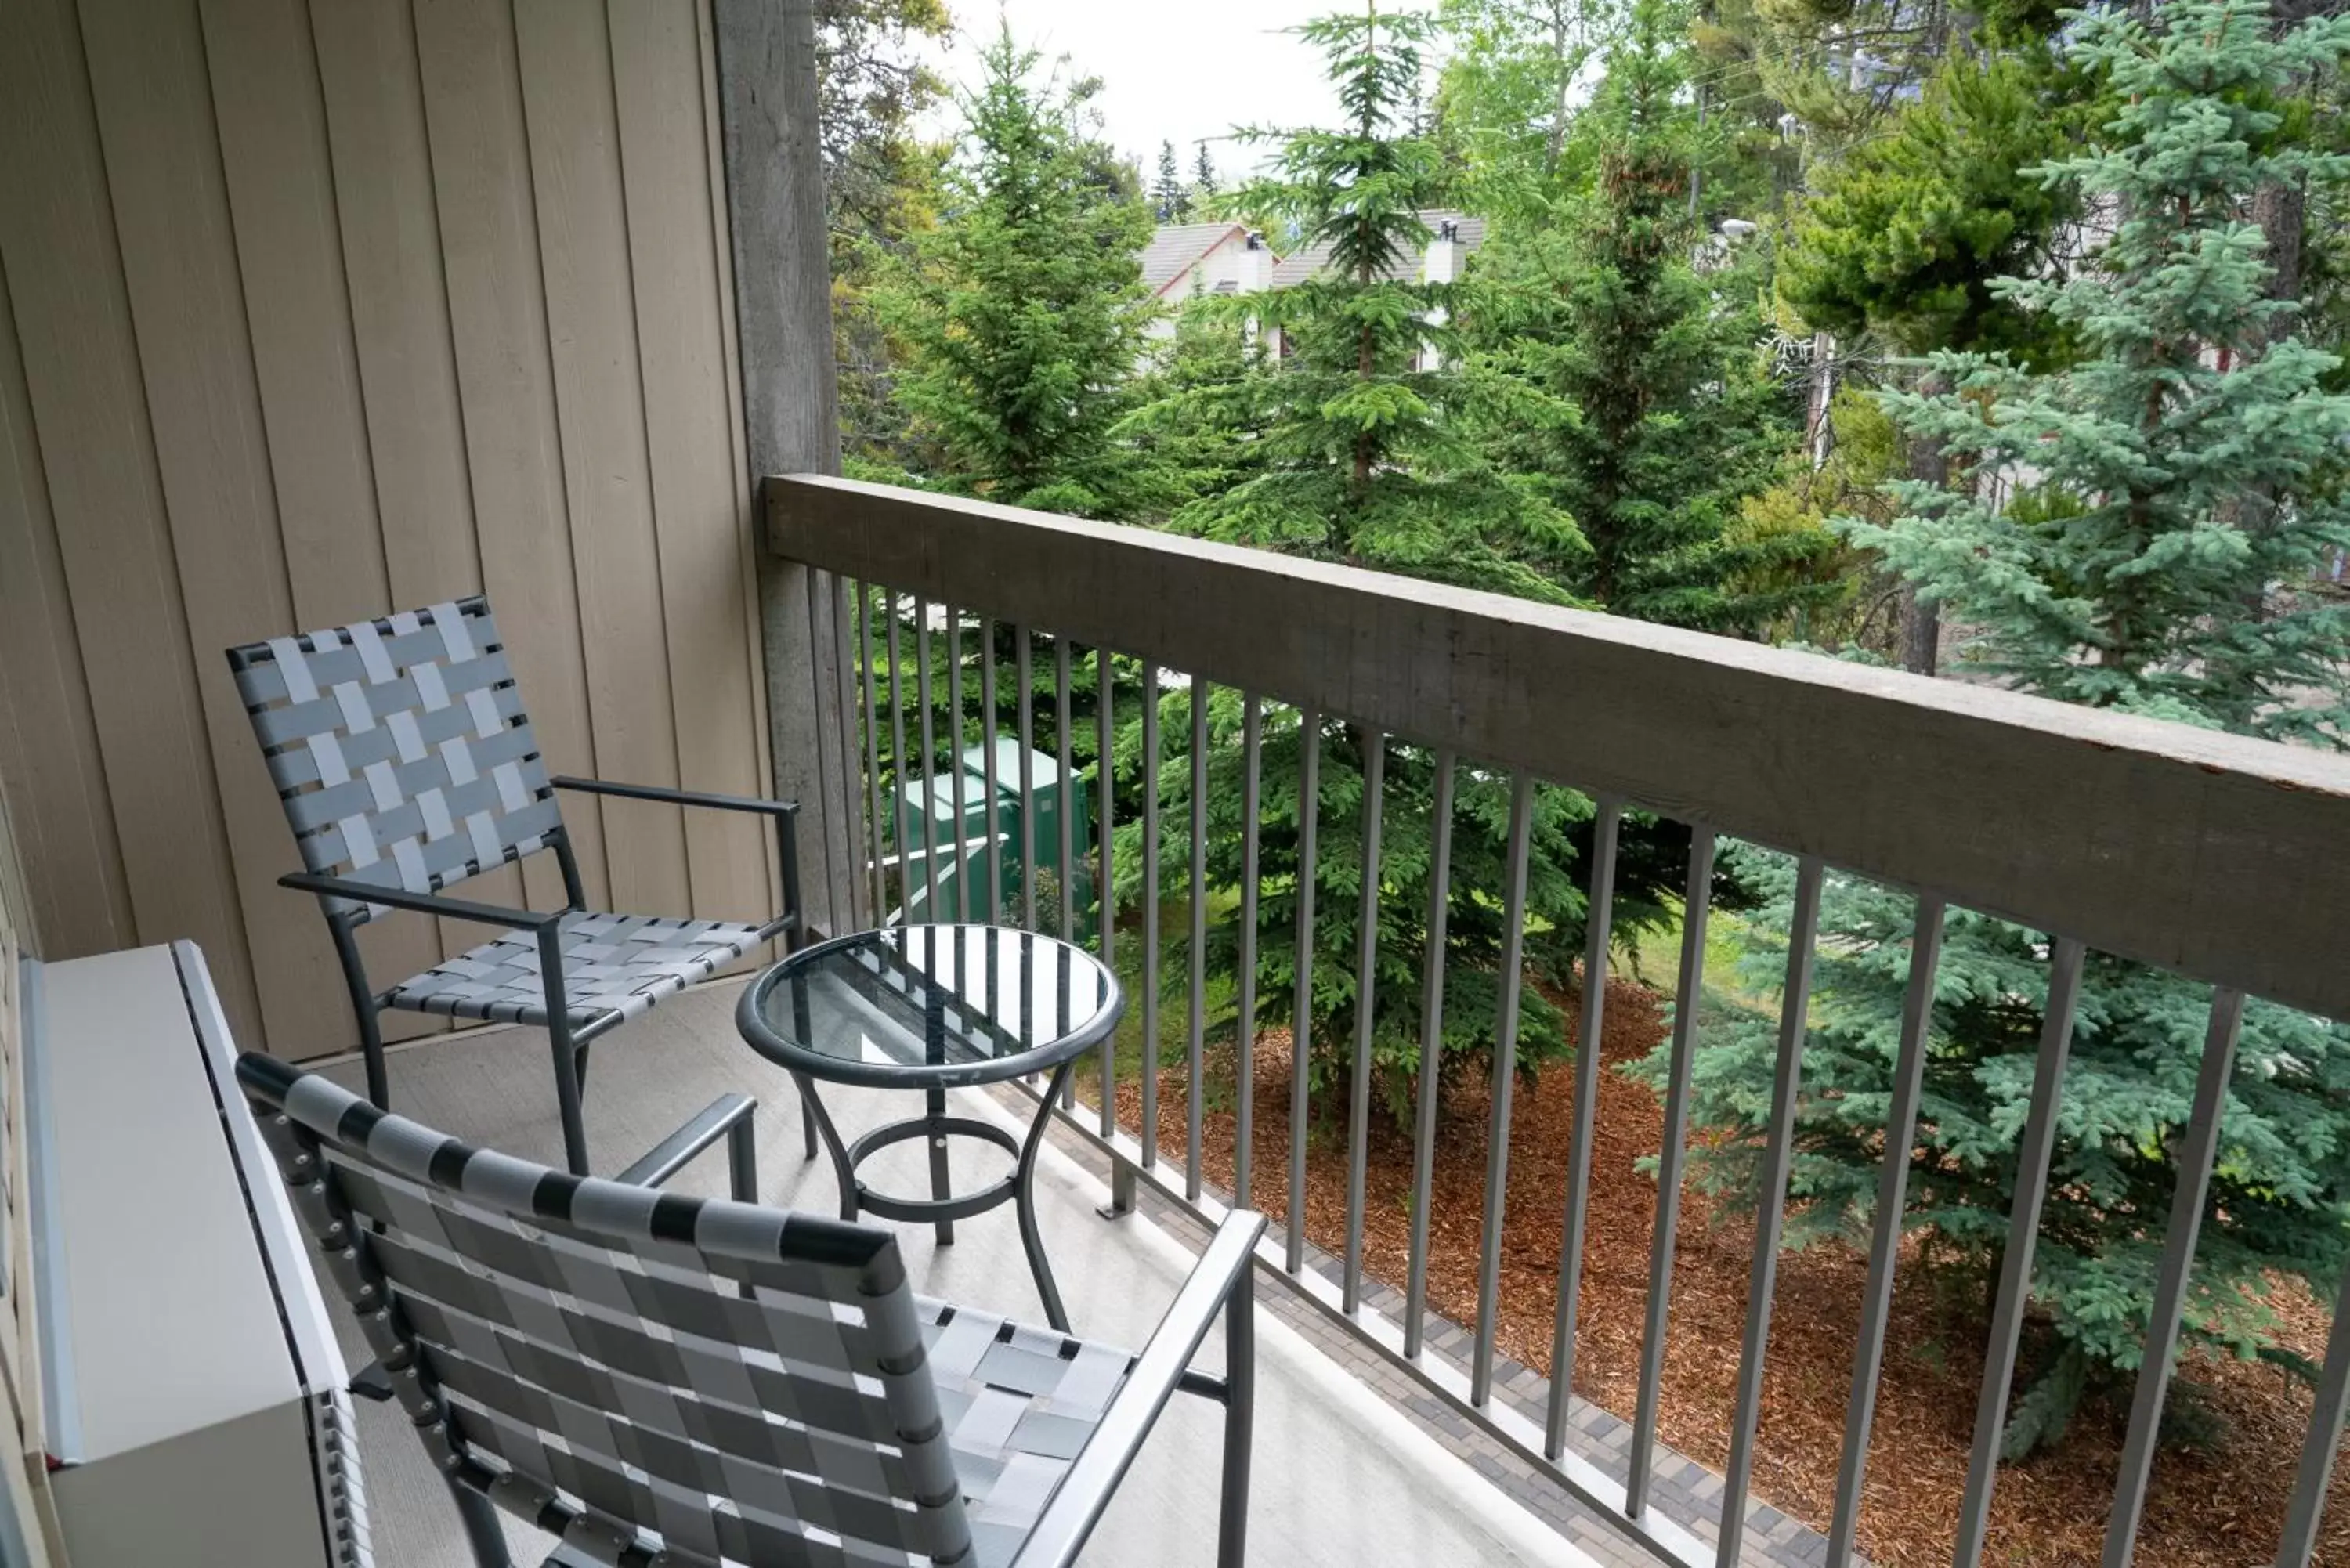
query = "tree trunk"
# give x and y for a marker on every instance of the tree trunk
(1921, 624)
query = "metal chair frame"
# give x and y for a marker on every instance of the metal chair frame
(347, 902)
(767, 1257)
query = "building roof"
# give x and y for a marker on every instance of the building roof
(1298, 265)
(1175, 248)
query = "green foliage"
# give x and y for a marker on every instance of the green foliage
(881, 188)
(1906, 233)
(2190, 458)
(1360, 460)
(1630, 382)
(1019, 313)
(2154, 489)
(1788, 522)
(1169, 201)
(1345, 449)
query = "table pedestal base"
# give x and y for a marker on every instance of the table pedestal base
(945, 1206)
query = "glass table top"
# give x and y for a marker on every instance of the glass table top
(931, 1004)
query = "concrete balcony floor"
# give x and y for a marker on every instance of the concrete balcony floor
(1340, 1476)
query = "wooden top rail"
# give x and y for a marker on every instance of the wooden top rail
(2224, 858)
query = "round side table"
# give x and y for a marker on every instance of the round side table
(934, 1008)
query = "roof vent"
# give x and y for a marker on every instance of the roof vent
(1256, 239)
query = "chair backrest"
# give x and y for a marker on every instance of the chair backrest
(640, 1372)
(400, 749)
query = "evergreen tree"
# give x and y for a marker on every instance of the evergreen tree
(881, 183)
(1353, 455)
(1023, 314)
(2168, 488)
(1204, 184)
(1651, 413)
(1171, 203)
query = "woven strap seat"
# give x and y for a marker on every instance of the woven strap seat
(1018, 1403)
(612, 964)
(658, 1377)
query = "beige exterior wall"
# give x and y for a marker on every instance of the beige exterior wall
(319, 310)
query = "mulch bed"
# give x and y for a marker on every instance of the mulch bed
(2220, 1508)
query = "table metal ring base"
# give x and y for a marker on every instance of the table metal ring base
(944, 1206)
(921, 1208)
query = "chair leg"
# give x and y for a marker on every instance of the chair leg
(479, 1515)
(808, 1125)
(567, 1057)
(363, 1005)
(379, 1077)
(566, 1092)
(1240, 1419)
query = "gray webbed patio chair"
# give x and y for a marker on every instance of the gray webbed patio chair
(661, 1379)
(406, 763)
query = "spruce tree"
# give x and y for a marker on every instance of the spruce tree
(1204, 184)
(1169, 201)
(2168, 490)
(1022, 315)
(1355, 455)
(1631, 381)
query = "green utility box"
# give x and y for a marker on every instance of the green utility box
(962, 858)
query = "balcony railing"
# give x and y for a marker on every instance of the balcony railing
(2215, 857)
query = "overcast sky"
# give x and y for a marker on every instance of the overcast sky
(1174, 73)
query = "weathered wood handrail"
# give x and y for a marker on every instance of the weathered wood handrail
(2224, 858)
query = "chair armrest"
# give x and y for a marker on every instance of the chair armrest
(1222, 1269)
(675, 1152)
(421, 903)
(681, 797)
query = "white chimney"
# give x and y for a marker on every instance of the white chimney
(1445, 253)
(1254, 274)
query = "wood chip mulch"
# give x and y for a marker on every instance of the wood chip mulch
(2220, 1507)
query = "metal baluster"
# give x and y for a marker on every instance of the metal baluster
(823, 802)
(987, 772)
(1025, 673)
(2034, 1154)
(954, 764)
(1696, 901)
(897, 777)
(1067, 819)
(872, 757)
(2195, 1159)
(2306, 1508)
(930, 761)
(1066, 848)
(1301, 1040)
(1149, 916)
(1505, 1081)
(1244, 1031)
(1366, 957)
(1607, 822)
(1195, 1043)
(1778, 1148)
(845, 742)
(1431, 1052)
(1105, 736)
(1885, 1241)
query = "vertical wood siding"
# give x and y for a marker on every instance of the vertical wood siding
(318, 309)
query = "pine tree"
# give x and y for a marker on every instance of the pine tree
(1204, 184)
(2170, 485)
(1170, 201)
(1023, 313)
(1354, 456)
(1632, 381)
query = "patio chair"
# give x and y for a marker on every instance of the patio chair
(660, 1379)
(406, 763)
